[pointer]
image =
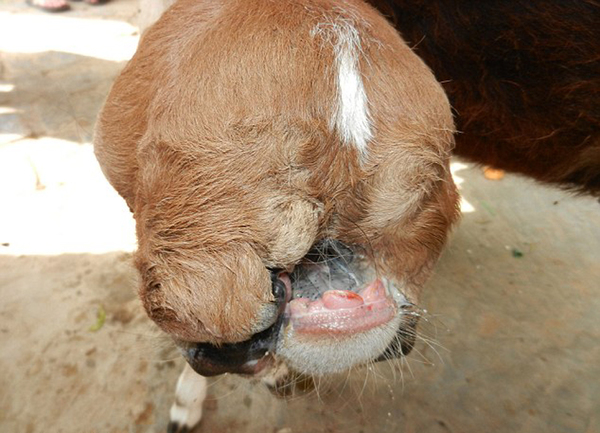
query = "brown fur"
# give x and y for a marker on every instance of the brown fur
(217, 135)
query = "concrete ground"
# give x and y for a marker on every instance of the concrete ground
(512, 338)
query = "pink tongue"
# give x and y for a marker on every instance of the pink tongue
(342, 311)
(374, 293)
(336, 299)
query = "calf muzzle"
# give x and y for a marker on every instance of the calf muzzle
(246, 357)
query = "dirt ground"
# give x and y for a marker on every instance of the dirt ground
(512, 338)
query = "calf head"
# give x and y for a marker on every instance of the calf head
(287, 164)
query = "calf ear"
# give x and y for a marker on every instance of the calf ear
(121, 126)
(119, 167)
(220, 298)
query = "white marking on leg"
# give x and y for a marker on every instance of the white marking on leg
(189, 397)
(351, 113)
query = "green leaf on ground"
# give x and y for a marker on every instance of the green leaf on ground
(100, 319)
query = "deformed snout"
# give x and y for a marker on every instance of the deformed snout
(248, 357)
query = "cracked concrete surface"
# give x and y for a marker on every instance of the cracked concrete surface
(512, 340)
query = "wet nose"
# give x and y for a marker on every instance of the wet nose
(246, 357)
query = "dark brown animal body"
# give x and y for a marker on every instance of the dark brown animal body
(522, 76)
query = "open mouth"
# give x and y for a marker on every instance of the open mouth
(335, 291)
(333, 295)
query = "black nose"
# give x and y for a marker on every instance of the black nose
(246, 357)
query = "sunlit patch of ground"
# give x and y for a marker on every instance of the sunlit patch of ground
(28, 33)
(53, 196)
(55, 200)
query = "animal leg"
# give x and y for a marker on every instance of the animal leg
(190, 394)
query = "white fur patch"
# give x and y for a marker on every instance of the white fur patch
(351, 113)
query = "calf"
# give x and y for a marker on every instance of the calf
(287, 167)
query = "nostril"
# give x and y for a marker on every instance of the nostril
(278, 286)
(281, 287)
